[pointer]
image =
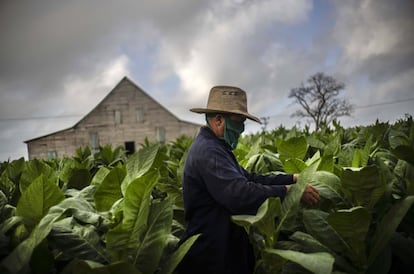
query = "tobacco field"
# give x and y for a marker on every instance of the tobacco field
(112, 213)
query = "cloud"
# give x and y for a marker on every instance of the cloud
(90, 89)
(64, 57)
(376, 37)
(225, 50)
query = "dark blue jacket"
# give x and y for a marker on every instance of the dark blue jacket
(215, 187)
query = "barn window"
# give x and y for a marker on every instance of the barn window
(51, 154)
(130, 147)
(140, 115)
(118, 117)
(94, 142)
(160, 135)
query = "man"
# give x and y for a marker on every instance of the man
(215, 187)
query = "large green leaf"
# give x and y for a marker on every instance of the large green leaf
(316, 224)
(74, 174)
(36, 200)
(245, 152)
(137, 204)
(295, 147)
(100, 175)
(127, 236)
(143, 233)
(109, 190)
(402, 145)
(326, 163)
(313, 141)
(353, 225)
(294, 165)
(9, 180)
(147, 256)
(34, 169)
(3, 201)
(291, 203)
(78, 235)
(110, 157)
(140, 163)
(7, 187)
(178, 255)
(388, 225)
(73, 240)
(405, 172)
(137, 186)
(264, 162)
(10, 223)
(361, 156)
(81, 209)
(15, 168)
(328, 185)
(20, 256)
(316, 158)
(87, 193)
(333, 147)
(319, 262)
(309, 244)
(263, 221)
(365, 185)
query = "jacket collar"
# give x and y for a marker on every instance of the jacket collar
(208, 133)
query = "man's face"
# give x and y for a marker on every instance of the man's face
(218, 122)
(234, 126)
(237, 118)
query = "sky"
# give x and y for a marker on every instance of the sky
(59, 59)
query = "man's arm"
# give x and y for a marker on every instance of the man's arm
(230, 188)
(309, 197)
(279, 179)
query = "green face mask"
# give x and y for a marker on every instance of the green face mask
(232, 132)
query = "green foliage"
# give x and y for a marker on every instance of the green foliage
(38, 198)
(109, 213)
(365, 177)
(109, 189)
(21, 255)
(111, 220)
(320, 263)
(292, 148)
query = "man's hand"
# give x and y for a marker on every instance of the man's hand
(295, 178)
(310, 196)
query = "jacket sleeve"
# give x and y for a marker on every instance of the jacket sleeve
(231, 188)
(279, 179)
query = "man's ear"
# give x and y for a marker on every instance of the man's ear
(219, 120)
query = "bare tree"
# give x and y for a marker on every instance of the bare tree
(320, 100)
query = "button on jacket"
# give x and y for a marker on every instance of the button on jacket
(215, 187)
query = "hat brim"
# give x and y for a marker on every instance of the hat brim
(209, 110)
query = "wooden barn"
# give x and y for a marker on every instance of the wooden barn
(125, 117)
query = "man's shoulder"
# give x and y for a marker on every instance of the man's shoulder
(206, 145)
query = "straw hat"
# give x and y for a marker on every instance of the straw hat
(227, 99)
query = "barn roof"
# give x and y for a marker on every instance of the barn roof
(124, 79)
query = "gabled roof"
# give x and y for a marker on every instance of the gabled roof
(124, 79)
(43, 136)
